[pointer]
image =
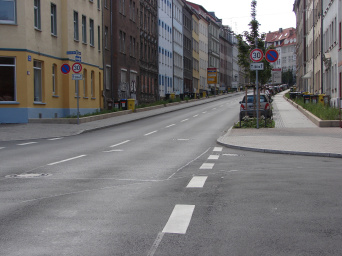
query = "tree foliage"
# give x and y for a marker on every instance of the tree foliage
(246, 43)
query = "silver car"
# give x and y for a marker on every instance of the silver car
(249, 109)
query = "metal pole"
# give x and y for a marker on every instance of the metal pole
(78, 103)
(257, 88)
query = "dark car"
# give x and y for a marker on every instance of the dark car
(250, 108)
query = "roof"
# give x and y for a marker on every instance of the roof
(283, 37)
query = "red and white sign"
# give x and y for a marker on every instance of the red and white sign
(256, 55)
(77, 67)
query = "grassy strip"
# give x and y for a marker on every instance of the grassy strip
(321, 111)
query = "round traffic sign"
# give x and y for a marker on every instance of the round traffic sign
(256, 55)
(272, 55)
(77, 67)
(65, 68)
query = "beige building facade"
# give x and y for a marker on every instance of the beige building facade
(36, 36)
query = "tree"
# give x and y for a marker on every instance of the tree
(245, 48)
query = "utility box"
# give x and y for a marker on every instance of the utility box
(131, 104)
(172, 96)
(321, 98)
(123, 104)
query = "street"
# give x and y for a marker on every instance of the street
(163, 186)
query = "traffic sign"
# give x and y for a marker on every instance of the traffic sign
(77, 76)
(212, 75)
(78, 58)
(256, 55)
(77, 67)
(71, 52)
(65, 68)
(257, 66)
(272, 55)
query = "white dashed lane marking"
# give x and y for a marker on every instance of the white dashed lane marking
(170, 125)
(150, 133)
(207, 166)
(56, 138)
(113, 150)
(2, 148)
(27, 143)
(197, 182)
(184, 120)
(66, 160)
(217, 149)
(120, 143)
(179, 220)
(213, 157)
(195, 116)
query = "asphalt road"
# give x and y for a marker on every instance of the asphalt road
(163, 186)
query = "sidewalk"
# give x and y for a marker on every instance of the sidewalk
(293, 134)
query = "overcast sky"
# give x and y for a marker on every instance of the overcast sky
(271, 14)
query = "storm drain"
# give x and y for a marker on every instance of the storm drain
(28, 175)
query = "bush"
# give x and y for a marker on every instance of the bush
(251, 122)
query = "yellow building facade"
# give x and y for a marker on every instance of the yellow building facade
(36, 37)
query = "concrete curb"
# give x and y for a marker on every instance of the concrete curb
(285, 152)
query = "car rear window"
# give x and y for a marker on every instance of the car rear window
(250, 99)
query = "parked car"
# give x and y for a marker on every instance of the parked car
(250, 107)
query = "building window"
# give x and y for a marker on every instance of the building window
(91, 32)
(92, 91)
(84, 29)
(76, 33)
(53, 19)
(36, 7)
(106, 37)
(98, 4)
(85, 84)
(122, 6)
(105, 4)
(54, 79)
(98, 38)
(7, 78)
(108, 77)
(37, 67)
(122, 38)
(8, 12)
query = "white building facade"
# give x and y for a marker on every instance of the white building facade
(165, 52)
(178, 79)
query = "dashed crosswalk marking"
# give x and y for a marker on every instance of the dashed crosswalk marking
(197, 182)
(179, 220)
(213, 157)
(207, 166)
(217, 149)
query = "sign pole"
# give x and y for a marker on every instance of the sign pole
(257, 88)
(78, 103)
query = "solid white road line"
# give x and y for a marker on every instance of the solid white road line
(207, 166)
(56, 138)
(197, 182)
(217, 149)
(28, 143)
(69, 159)
(179, 220)
(170, 125)
(156, 244)
(120, 143)
(150, 133)
(184, 120)
(213, 157)
(183, 139)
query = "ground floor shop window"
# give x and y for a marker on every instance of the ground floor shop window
(7, 79)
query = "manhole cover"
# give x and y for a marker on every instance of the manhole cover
(28, 175)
